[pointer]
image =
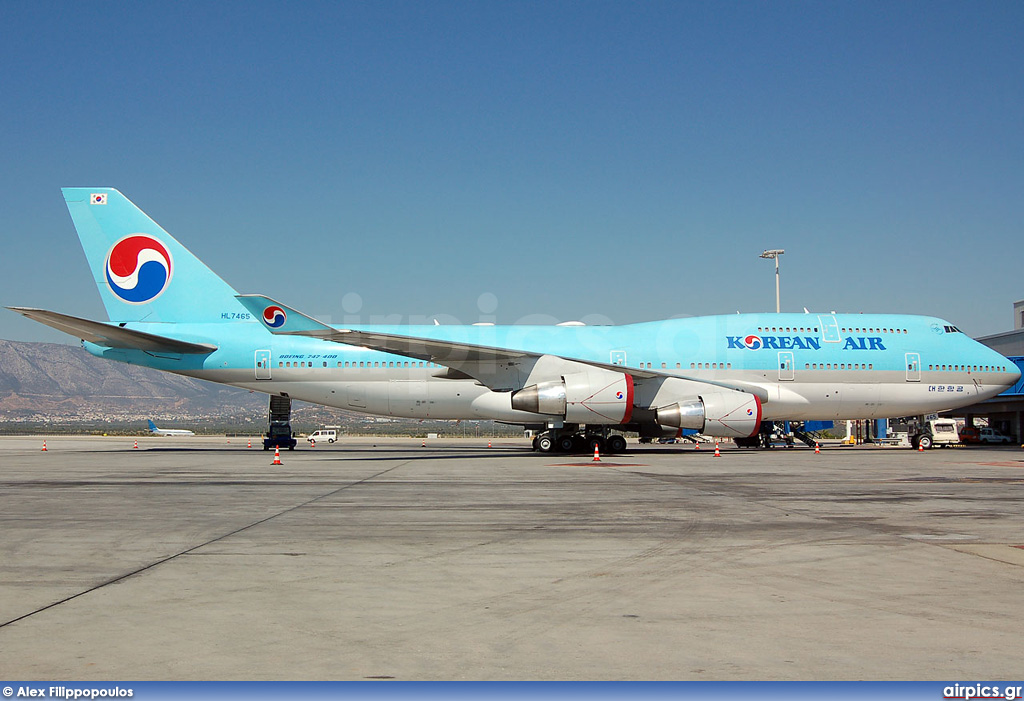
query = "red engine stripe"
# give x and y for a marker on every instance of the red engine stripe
(629, 400)
(757, 426)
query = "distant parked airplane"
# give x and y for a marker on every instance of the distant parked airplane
(579, 386)
(156, 430)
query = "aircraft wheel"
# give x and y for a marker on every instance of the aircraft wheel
(925, 442)
(544, 443)
(616, 444)
(566, 444)
(596, 442)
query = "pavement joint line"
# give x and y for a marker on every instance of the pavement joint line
(161, 561)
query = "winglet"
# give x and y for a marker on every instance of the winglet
(281, 319)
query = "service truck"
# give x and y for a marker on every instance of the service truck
(930, 432)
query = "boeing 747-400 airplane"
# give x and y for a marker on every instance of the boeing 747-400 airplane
(578, 385)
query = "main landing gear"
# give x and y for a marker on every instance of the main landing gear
(577, 442)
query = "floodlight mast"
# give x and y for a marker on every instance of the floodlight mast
(774, 253)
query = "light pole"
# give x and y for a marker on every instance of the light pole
(775, 253)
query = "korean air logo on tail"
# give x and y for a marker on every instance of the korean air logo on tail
(274, 317)
(138, 269)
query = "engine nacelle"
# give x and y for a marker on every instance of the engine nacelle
(725, 413)
(592, 396)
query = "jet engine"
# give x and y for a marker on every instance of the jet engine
(592, 396)
(723, 413)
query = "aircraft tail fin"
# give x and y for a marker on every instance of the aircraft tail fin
(142, 272)
(152, 426)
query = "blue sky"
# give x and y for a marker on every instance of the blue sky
(602, 161)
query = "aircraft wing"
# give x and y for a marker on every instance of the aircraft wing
(113, 336)
(465, 357)
(461, 356)
(429, 349)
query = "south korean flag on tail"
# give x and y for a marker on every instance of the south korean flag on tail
(98, 198)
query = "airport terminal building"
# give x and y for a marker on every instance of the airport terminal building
(1005, 412)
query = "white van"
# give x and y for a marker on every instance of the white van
(324, 434)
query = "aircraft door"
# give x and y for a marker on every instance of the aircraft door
(913, 367)
(262, 365)
(829, 329)
(786, 372)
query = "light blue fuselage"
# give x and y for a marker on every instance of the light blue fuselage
(808, 366)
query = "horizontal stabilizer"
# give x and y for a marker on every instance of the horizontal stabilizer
(112, 336)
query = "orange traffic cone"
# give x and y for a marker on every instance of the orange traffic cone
(920, 448)
(696, 445)
(424, 443)
(312, 443)
(136, 446)
(249, 443)
(44, 447)
(597, 454)
(277, 457)
(717, 453)
(488, 442)
(817, 449)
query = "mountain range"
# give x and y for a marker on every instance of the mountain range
(50, 382)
